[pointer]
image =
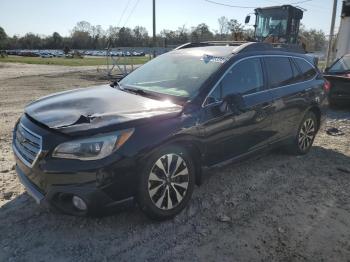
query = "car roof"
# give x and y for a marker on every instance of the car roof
(222, 51)
(230, 48)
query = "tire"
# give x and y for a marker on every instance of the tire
(302, 142)
(158, 185)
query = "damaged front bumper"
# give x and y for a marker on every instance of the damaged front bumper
(103, 185)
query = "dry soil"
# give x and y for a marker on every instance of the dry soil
(274, 207)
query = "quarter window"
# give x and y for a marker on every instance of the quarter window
(279, 71)
(307, 71)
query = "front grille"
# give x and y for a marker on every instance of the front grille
(27, 145)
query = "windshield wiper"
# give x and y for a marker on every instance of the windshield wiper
(116, 84)
(139, 91)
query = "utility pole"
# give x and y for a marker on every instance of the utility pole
(154, 28)
(331, 34)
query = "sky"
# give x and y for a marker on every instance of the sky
(47, 16)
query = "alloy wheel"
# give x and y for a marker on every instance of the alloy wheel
(306, 134)
(168, 181)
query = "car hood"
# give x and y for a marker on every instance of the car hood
(96, 107)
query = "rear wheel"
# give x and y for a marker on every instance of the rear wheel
(167, 183)
(302, 142)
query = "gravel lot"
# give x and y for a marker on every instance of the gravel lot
(271, 208)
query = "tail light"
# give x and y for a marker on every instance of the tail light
(327, 86)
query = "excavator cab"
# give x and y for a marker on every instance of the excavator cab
(277, 24)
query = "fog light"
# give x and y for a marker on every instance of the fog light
(79, 203)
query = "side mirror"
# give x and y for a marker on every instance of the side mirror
(234, 103)
(247, 19)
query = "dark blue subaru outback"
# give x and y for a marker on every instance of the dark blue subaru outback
(147, 137)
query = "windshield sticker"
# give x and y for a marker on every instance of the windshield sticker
(216, 59)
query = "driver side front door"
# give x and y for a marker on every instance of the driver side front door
(231, 133)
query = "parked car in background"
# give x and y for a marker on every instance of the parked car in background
(45, 55)
(338, 75)
(147, 137)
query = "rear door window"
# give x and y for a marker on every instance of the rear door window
(307, 71)
(279, 71)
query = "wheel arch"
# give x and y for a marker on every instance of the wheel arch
(191, 145)
(195, 152)
(317, 111)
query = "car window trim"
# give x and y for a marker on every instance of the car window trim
(300, 70)
(263, 79)
(262, 91)
(291, 62)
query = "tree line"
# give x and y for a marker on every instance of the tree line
(87, 36)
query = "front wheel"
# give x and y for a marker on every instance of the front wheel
(302, 142)
(166, 183)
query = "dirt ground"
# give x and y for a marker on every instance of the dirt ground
(274, 207)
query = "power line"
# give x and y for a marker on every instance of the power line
(121, 17)
(250, 7)
(132, 11)
(234, 6)
(300, 2)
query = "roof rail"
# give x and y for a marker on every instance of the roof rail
(253, 46)
(244, 46)
(226, 43)
(189, 45)
(289, 47)
(210, 43)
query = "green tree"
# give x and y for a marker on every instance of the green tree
(125, 37)
(3, 38)
(81, 40)
(201, 33)
(140, 36)
(57, 40)
(315, 39)
(30, 41)
(224, 26)
(236, 29)
(182, 34)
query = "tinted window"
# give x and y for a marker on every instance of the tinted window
(296, 72)
(342, 65)
(244, 78)
(307, 71)
(280, 71)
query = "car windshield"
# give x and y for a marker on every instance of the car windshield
(174, 73)
(342, 65)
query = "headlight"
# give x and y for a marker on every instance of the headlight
(92, 148)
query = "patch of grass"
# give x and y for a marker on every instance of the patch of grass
(87, 61)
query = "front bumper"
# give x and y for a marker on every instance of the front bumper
(30, 187)
(60, 197)
(104, 185)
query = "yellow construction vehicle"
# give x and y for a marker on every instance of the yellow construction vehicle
(278, 25)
